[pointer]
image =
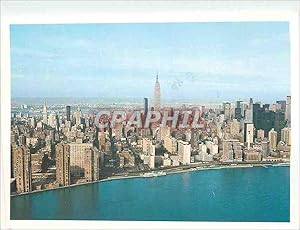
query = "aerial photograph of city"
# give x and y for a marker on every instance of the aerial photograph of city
(151, 121)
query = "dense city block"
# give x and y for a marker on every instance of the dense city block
(56, 145)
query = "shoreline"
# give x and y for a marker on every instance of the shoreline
(169, 171)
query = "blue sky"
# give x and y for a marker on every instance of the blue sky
(195, 61)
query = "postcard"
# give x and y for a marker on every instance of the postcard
(188, 121)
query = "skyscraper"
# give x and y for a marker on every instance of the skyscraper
(78, 116)
(149, 151)
(68, 112)
(273, 139)
(251, 103)
(249, 135)
(279, 123)
(63, 164)
(170, 143)
(145, 106)
(45, 117)
(288, 109)
(157, 94)
(22, 168)
(227, 110)
(286, 135)
(256, 109)
(184, 152)
(235, 128)
(238, 113)
(52, 122)
(77, 153)
(91, 164)
(248, 132)
(265, 148)
(243, 106)
(282, 105)
(238, 104)
(227, 151)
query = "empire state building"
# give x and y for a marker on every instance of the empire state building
(157, 94)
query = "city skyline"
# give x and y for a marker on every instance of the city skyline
(226, 58)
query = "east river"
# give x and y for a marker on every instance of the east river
(228, 194)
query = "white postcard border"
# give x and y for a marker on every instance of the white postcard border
(56, 13)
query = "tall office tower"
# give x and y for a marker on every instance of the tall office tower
(288, 109)
(286, 135)
(163, 132)
(102, 140)
(238, 113)
(251, 104)
(68, 113)
(33, 122)
(248, 115)
(260, 134)
(63, 164)
(194, 138)
(58, 122)
(238, 104)
(227, 151)
(91, 164)
(157, 94)
(248, 134)
(78, 116)
(265, 119)
(279, 123)
(184, 152)
(45, 117)
(249, 112)
(148, 147)
(22, 168)
(170, 143)
(149, 151)
(265, 148)
(52, 120)
(282, 105)
(237, 150)
(146, 106)
(227, 110)
(256, 109)
(235, 128)
(273, 139)
(243, 106)
(231, 150)
(77, 152)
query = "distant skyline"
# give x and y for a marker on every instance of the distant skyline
(194, 61)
